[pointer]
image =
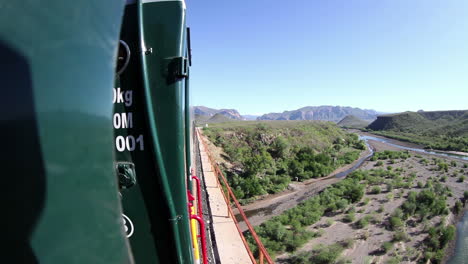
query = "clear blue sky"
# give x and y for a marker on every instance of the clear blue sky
(263, 56)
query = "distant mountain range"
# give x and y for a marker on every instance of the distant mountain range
(325, 112)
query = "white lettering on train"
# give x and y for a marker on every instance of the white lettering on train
(129, 143)
(123, 120)
(121, 96)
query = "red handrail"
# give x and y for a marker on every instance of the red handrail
(199, 218)
(201, 224)
(199, 197)
(263, 253)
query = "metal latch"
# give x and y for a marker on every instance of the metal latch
(177, 68)
(126, 174)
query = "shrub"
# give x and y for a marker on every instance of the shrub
(442, 166)
(420, 184)
(453, 163)
(387, 246)
(327, 254)
(348, 218)
(400, 236)
(320, 255)
(375, 190)
(329, 222)
(444, 178)
(458, 207)
(366, 201)
(379, 163)
(381, 209)
(363, 222)
(389, 186)
(396, 223)
(390, 196)
(462, 178)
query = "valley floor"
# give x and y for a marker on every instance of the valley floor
(368, 241)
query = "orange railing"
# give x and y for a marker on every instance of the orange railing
(228, 196)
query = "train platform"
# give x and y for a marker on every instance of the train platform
(230, 246)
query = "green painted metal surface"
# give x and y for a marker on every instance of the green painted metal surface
(82, 143)
(160, 225)
(58, 60)
(162, 36)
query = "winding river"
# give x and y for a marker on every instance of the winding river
(392, 143)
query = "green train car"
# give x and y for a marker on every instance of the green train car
(96, 132)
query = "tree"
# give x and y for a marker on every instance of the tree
(446, 235)
(281, 147)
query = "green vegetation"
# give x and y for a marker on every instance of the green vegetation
(400, 235)
(396, 223)
(349, 217)
(387, 246)
(437, 241)
(287, 232)
(428, 203)
(375, 190)
(442, 166)
(444, 130)
(388, 154)
(363, 222)
(266, 156)
(458, 207)
(320, 255)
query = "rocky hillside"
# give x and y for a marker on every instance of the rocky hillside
(351, 121)
(264, 157)
(205, 113)
(447, 130)
(447, 122)
(326, 113)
